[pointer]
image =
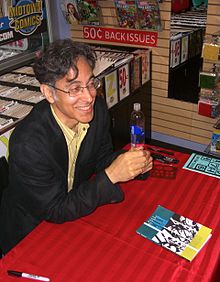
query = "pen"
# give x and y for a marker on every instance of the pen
(164, 159)
(161, 151)
(27, 275)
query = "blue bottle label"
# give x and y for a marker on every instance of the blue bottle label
(137, 135)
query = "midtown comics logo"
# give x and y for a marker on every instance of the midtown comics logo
(26, 16)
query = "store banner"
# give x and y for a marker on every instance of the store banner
(23, 19)
(123, 36)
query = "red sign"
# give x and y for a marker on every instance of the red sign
(124, 36)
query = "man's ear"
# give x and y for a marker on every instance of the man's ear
(48, 92)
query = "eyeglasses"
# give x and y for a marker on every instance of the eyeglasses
(77, 90)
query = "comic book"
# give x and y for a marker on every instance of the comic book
(175, 49)
(145, 64)
(89, 11)
(175, 232)
(215, 141)
(135, 73)
(204, 164)
(123, 81)
(149, 14)
(127, 14)
(106, 58)
(111, 89)
(184, 48)
(70, 11)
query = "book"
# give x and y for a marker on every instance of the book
(145, 64)
(127, 15)
(89, 12)
(215, 141)
(123, 81)
(107, 58)
(149, 14)
(103, 62)
(135, 73)
(175, 51)
(175, 232)
(203, 164)
(207, 80)
(184, 48)
(111, 89)
(70, 11)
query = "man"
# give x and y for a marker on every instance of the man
(61, 162)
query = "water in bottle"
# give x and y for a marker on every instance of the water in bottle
(137, 126)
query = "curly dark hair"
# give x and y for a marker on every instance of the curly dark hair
(59, 56)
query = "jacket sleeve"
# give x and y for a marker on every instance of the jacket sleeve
(42, 194)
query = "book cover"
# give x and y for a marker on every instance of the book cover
(203, 164)
(70, 11)
(211, 52)
(175, 232)
(127, 14)
(89, 11)
(111, 89)
(207, 80)
(184, 48)
(135, 73)
(145, 64)
(123, 81)
(175, 45)
(149, 14)
(215, 141)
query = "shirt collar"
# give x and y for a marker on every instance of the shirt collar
(66, 130)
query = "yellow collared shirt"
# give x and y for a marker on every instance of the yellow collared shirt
(73, 140)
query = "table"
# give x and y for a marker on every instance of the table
(104, 246)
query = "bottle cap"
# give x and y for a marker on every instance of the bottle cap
(137, 106)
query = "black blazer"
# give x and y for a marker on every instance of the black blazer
(38, 170)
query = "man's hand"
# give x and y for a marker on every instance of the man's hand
(130, 164)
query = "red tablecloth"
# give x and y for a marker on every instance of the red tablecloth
(104, 246)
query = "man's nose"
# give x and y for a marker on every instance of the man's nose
(87, 94)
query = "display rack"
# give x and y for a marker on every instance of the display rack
(22, 36)
(187, 32)
(125, 81)
(211, 54)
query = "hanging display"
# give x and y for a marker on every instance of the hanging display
(138, 14)
(127, 14)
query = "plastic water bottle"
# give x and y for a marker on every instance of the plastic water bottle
(137, 126)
